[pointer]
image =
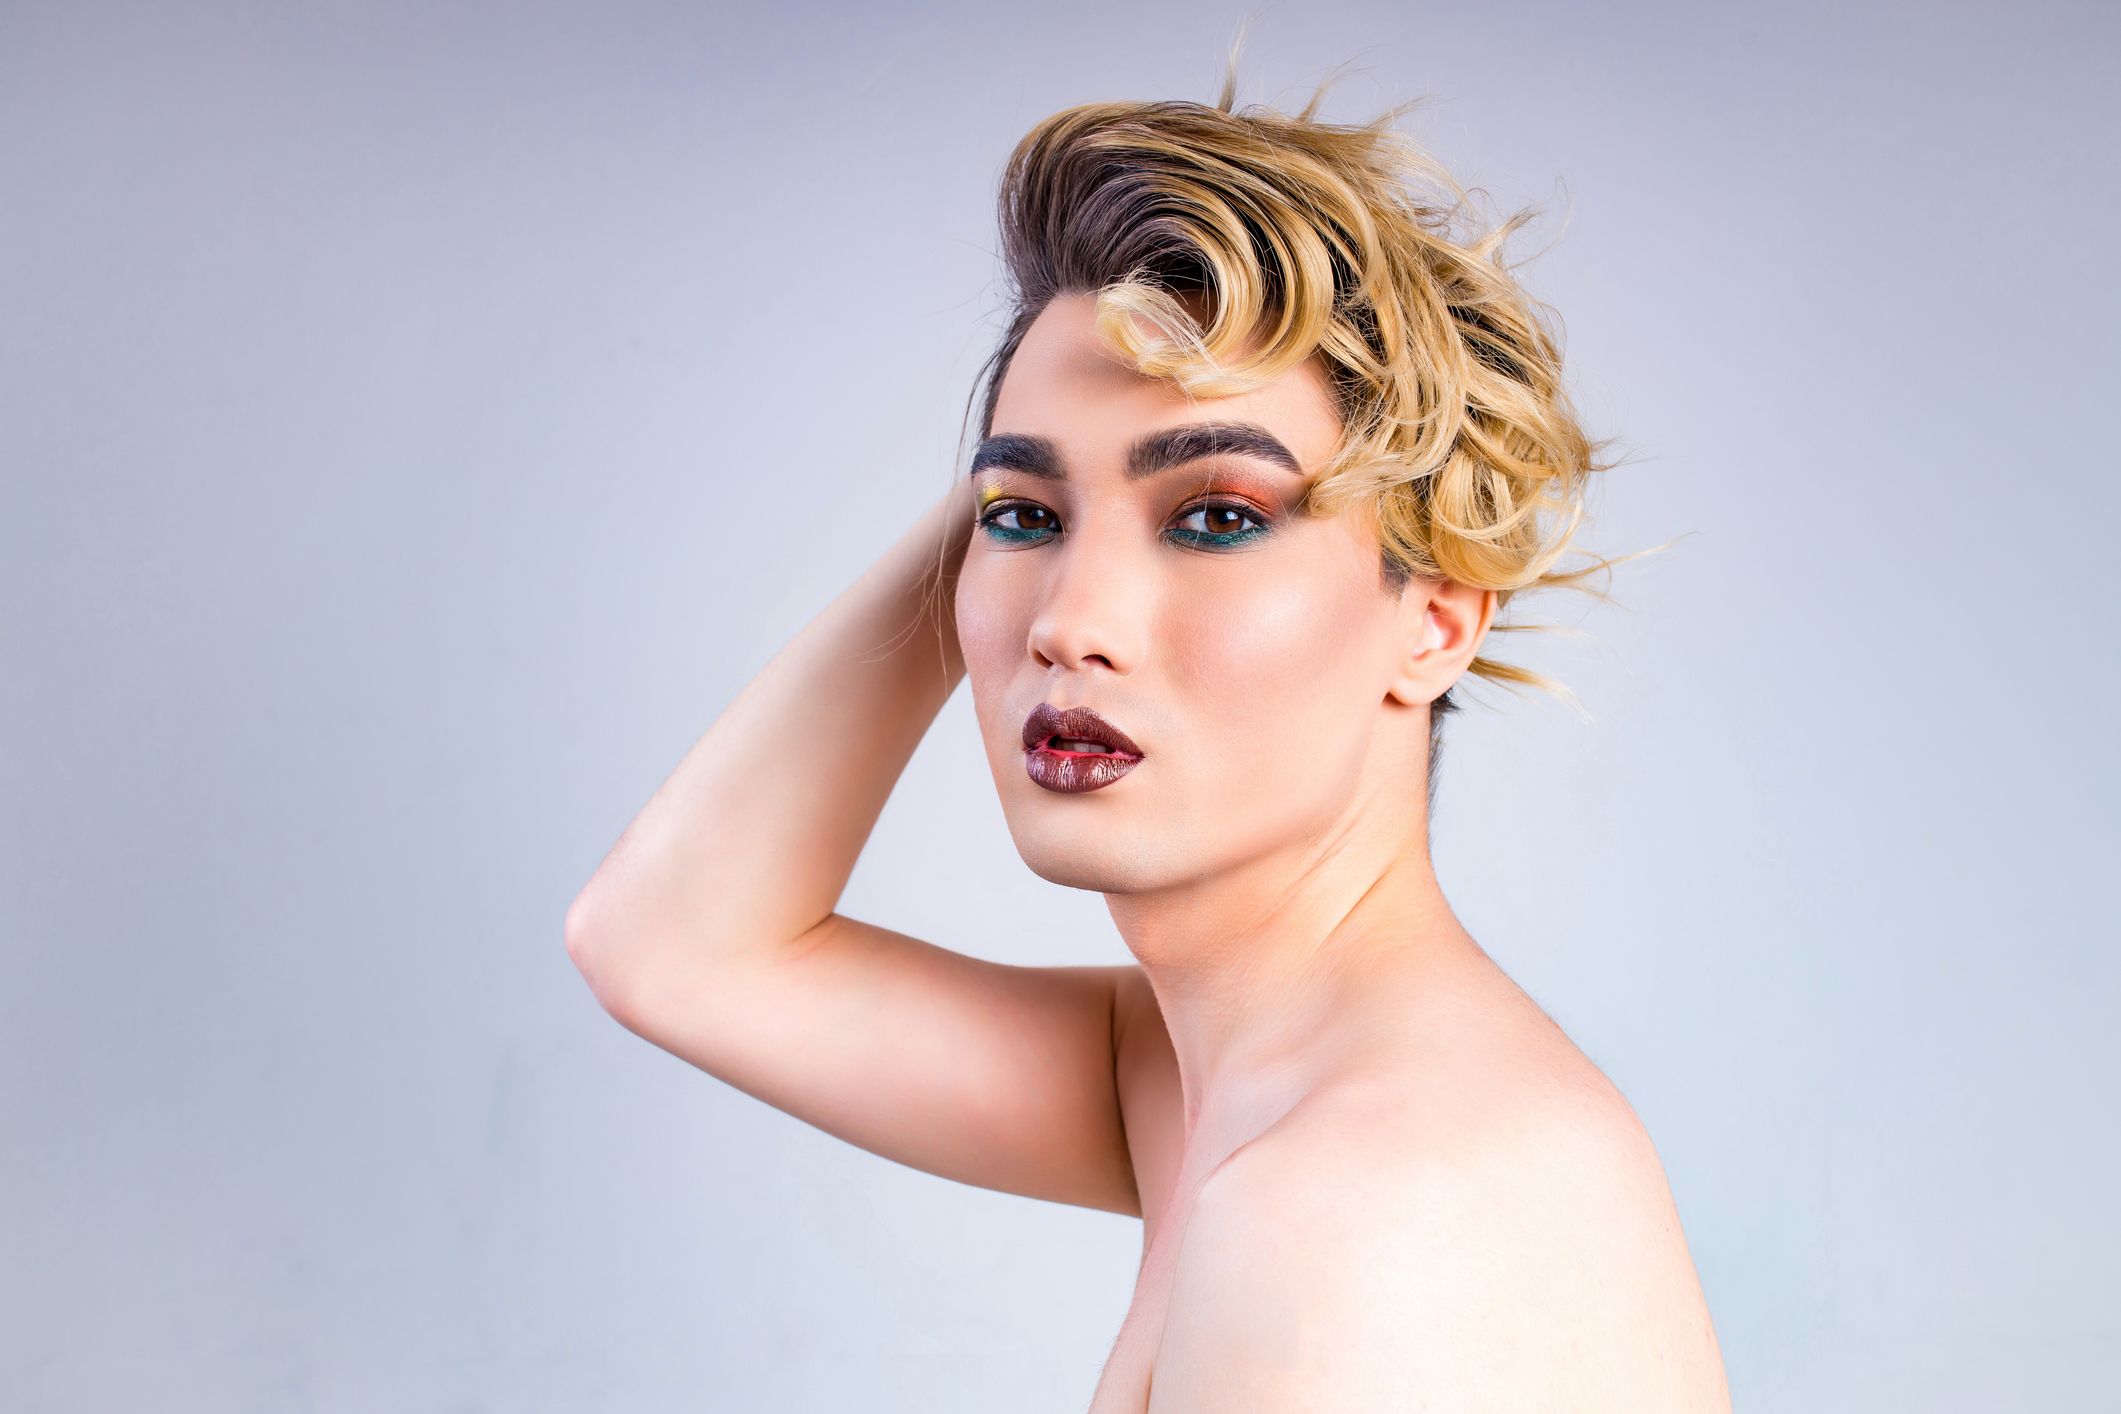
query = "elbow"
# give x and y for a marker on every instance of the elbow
(596, 946)
(641, 944)
(583, 934)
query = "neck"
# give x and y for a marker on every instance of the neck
(1255, 967)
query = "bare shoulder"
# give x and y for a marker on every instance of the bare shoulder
(1473, 1219)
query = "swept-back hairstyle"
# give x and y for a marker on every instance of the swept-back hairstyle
(1298, 237)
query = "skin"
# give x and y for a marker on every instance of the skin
(1372, 1174)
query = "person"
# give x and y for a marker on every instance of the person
(1271, 438)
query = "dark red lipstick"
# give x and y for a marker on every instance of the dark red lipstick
(1073, 750)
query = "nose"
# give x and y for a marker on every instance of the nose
(1096, 611)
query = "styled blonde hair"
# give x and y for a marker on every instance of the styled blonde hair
(1300, 237)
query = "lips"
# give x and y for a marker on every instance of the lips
(1073, 750)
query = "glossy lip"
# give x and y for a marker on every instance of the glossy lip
(1073, 772)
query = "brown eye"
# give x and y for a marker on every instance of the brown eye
(1217, 526)
(1020, 524)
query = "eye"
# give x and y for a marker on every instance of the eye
(1218, 520)
(1217, 525)
(1019, 522)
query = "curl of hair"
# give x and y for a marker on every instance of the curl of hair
(1299, 238)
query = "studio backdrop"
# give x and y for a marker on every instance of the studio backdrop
(418, 420)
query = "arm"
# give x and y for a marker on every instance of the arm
(710, 931)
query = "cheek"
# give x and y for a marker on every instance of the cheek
(994, 612)
(1296, 662)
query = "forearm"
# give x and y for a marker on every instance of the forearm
(749, 843)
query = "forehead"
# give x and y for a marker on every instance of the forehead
(1067, 384)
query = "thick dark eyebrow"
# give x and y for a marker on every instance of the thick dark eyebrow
(1179, 445)
(1033, 456)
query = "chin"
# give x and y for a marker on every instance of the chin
(1087, 854)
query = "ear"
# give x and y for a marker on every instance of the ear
(1443, 624)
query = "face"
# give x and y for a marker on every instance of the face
(1178, 670)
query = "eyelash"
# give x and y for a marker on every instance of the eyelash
(1205, 539)
(1210, 540)
(990, 521)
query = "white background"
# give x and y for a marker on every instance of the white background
(417, 420)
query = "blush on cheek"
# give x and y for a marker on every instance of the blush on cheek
(1277, 653)
(985, 622)
(992, 631)
(1280, 681)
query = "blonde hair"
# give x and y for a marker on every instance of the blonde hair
(1301, 237)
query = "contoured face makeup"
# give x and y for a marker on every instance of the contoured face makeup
(1177, 669)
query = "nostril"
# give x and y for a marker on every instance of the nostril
(1097, 658)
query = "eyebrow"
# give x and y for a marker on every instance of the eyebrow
(1033, 456)
(1178, 445)
(1159, 451)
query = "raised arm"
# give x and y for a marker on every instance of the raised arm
(710, 931)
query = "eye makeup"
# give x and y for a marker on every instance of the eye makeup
(1011, 521)
(1218, 524)
(1222, 511)
(1226, 510)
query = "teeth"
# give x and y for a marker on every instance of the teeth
(1067, 743)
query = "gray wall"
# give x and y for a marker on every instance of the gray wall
(416, 421)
